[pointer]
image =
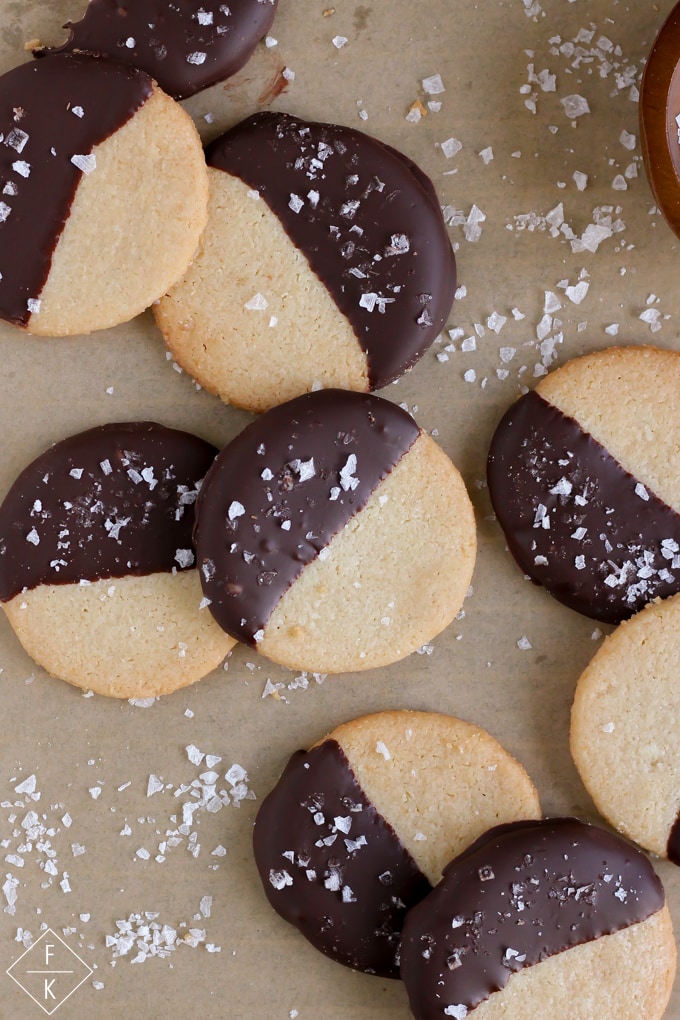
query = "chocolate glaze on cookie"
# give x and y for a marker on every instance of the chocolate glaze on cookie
(280, 491)
(370, 228)
(51, 113)
(521, 893)
(183, 45)
(659, 129)
(332, 866)
(673, 849)
(114, 501)
(575, 520)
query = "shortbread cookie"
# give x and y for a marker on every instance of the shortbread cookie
(333, 534)
(97, 569)
(624, 728)
(183, 45)
(659, 127)
(554, 918)
(359, 828)
(582, 481)
(104, 194)
(326, 262)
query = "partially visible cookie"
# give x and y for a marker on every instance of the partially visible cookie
(184, 46)
(97, 568)
(333, 534)
(103, 194)
(582, 482)
(325, 263)
(553, 918)
(624, 728)
(659, 127)
(359, 828)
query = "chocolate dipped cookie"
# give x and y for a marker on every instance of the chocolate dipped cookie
(183, 45)
(333, 534)
(104, 194)
(550, 918)
(354, 834)
(325, 263)
(97, 568)
(624, 726)
(582, 480)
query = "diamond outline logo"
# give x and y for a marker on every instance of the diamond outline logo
(47, 972)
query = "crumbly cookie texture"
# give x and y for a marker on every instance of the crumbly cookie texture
(625, 397)
(133, 227)
(130, 637)
(252, 350)
(391, 580)
(439, 781)
(358, 828)
(624, 726)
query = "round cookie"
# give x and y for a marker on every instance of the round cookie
(333, 534)
(97, 570)
(659, 127)
(547, 918)
(579, 478)
(359, 828)
(325, 263)
(104, 194)
(184, 46)
(624, 725)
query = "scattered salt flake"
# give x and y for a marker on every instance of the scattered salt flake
(257, 303)
(641, 491)
(22, 168)
(339, 41)
(194, 755)
(288, 74)
(460, 1011)
(154, 785)
(450, 147)
(613, 329)
(607, 727)
(95, 792)
(507, 354)
(415, 113)
(473, 228)
(577, 293)
(33, 304)
(487, 155)
(628, 140)
(575, 106)
(620, 183)
(433, 85)
(580, 180)
(470, 375)
(27, 786)
(235, 510)
(270, 41)
(196, 58)
(524, 644)
(86, 163)
(382, 749)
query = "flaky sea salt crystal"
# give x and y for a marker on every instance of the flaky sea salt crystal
(87, 164)
(433, 85)
(575, 106)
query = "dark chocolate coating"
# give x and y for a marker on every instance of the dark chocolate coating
(673, 848)
(332, 866)
(38, 181)
(115, 501)
(280, 491)
(521, 893)
(659, 131)
(184, 45)
(372, 230)
(544, 468)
